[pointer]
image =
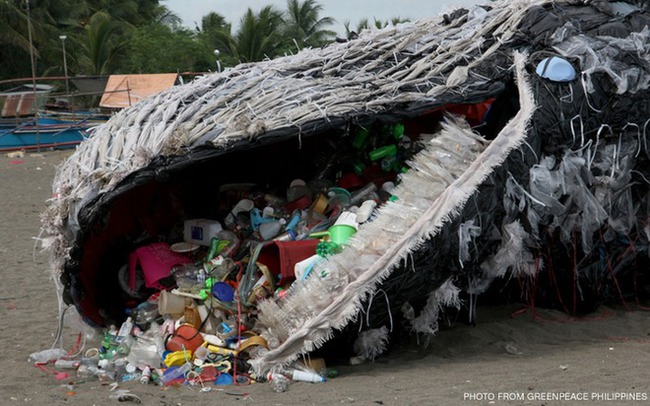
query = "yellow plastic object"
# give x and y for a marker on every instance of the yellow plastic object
(221, 350)
(252, 341)
(177, 358)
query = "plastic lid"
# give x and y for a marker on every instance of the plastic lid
(222, 291)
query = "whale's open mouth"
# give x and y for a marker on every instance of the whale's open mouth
(517, 170)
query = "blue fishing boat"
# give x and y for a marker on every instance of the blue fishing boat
(43, 133)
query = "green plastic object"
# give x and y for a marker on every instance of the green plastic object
(360, 138)
(382, 152)
(214, 249)
(398, 131)
(326, 248)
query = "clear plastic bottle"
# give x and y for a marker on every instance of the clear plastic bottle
(106, 370)
(120, 369)
(279, 382)
(45, 356)
(145, 314)
(125, 330)
(66, 364)
(175, 373)
(87, 368)
(87, 371)
(125, 346)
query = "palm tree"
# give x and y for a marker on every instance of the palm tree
(13, 26)
(304, 26)
(100, 45)
(258, 36)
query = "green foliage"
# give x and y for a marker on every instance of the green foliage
(101, 44)
(158, 48)
(304, 25)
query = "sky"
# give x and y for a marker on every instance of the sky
(191, 11)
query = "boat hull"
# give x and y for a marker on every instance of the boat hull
(48, 134)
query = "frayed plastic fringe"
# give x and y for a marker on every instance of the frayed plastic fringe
(349, 278)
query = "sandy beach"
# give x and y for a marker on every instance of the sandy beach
(505, 359)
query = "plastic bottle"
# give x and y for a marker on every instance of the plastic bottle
(125, 346)
(66, 364)
(87, 371)
(120, 368)
(106, 370)
(305, 376)
(146, 376)
(175, 373)
(362, 194)
(125, 330)
(109, 344)
(365, 211)
(279, 382)
(131, 373)
(145, 314)
(271, 229)
(46, 356)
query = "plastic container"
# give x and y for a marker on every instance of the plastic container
(341, 233)
(186, 337)
(271, 229)
(201, 231)
(243, 206)
(173, 373)
(171, 304)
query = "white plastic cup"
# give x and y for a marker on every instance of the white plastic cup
(171, 304)
(347, 218)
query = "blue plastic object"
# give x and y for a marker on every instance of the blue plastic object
(224, 379)
(222, 291)
(556, 69)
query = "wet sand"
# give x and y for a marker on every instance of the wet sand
(601, 359)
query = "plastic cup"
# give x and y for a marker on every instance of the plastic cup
(347, 218)
(171, 304)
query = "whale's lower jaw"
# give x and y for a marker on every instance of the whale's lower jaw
(443, 177)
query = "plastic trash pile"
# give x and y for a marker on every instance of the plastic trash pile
(191, 313)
